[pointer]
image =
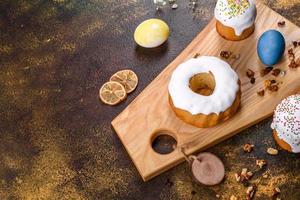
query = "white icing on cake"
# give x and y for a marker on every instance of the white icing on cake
(237, 14)
(223, 96)
(286, 121)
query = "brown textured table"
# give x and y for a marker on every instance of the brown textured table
(56, 141)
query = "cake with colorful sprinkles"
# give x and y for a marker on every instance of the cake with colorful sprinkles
(286, 124)
(235, 18)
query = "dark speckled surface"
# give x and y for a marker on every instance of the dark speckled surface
(56, 141)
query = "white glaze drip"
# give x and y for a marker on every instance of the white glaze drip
(223, 95)
(239, 22)
(286, 121)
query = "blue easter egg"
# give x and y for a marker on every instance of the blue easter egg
(270, 47)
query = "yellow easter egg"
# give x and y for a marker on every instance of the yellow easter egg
(151, 33)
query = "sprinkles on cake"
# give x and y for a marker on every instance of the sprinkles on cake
(286, 121)
(234, 7)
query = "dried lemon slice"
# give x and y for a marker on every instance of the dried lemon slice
(112, 93)
(127, 78)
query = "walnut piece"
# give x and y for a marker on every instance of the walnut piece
(265, 71)
(276, 191)
(271, 85)
(261, 163)
(248, 147)
(273, 88)
(250, 192)
(276, 72)
(225, 54)
(250, 73)
(244, 176)
(237, 177)
(291, 54)
(261, 93)
(295, 44)
(266, 174)
(196, 55)
(281, 24)
(267, 83)
(249, 174)
(244, 172)
(293, 64)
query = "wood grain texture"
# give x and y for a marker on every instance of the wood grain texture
(150, 111)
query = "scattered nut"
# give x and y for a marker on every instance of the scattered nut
(267, 83)
(249, 174)
(276, 72)
(248, 147)
(291, 57)
(281, 24)
(293, 64)
(196, 55)
(250, 73)
(244, 172)
(273, 88)
(265, 71)
(261, 163)
(225, 54)
(266, 174)
(261, 93)
(272, 151)
(295, 44)
(291, 54)
(218, 196)
(237, 177)
(244, 176)
(271, 85)
(250, 192)
(249, 189)
(276, 191)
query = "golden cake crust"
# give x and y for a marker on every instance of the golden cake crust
(204, 121)
(229, 34)
(281, 142)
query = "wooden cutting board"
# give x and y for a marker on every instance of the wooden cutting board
(150, 113)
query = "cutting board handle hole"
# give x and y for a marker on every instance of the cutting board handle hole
(163, 142)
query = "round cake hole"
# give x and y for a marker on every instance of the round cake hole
(163, 143)
(203, 83)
